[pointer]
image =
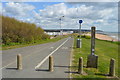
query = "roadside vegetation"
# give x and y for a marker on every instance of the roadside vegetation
(14, 31)
(105, 51)
(20, 34)
(5, 47)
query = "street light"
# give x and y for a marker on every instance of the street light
(61, 25)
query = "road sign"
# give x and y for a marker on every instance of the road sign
(80, 21)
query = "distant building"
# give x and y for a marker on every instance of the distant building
(67, 31)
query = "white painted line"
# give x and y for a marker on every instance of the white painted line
(51, 47)
(23, 58)
(50, 54)
(64, 47)
(7, 65)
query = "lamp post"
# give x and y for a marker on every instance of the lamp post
(61, 25)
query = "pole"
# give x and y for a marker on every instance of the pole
(80, 37)
(79, 40)
(92, 40)
(80, 30)
(60, 27)
(92, 58)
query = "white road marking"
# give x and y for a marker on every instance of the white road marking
(64, 48)
(7, 65)
(52, 47)
(24, 57)
(50, 54)
(16, 61)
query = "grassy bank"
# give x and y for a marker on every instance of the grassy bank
(16, 45)
(105, 51)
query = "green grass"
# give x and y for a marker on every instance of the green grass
(16, 45)
(105, 51)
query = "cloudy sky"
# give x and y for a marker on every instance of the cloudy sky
(103, 15)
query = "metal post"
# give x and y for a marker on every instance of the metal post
(80, 36)
(79, 40)
(80, 31)
(60, 27)
(19, 62)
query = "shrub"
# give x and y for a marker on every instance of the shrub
(87, 37)
(14, 31)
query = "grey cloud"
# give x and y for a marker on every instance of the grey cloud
(100, 5)
(18, 9)
(91, 0)
(92, 14)
(32, 0)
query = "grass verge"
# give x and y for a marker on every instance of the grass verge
(105, 51)
(5, 47)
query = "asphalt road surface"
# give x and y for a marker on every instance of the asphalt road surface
(35, 60)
